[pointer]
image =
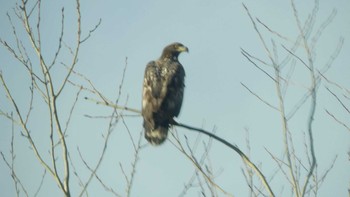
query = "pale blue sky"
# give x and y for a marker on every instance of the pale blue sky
(214, 32)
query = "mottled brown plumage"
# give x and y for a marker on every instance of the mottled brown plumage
(163, 89)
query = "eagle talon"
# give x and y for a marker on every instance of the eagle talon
(172, 121)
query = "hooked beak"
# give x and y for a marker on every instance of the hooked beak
(183, 49)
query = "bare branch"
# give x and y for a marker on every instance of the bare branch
(41, 183)
(198, 166)
(94, 170)
(257, 96)
(15, 179)
(341, 103)
(247, 55)
(248, 173)
(114, 105)
(92, 90)
(109, 189)
(112, 122)
(280, 163)
(313, 95)
(33, 8)
(323, 177)
(59, 41)
(333, 56)
(133, 165)
(288, 78)
(337, 120)
(293, 54)
(30, 101)
(11, 166)
(76, 52)
(52, 98)
(71, 111)
(336, 85)
(204, 156)
(76, 173)
(26, 130)
(268, 52)
(236, 149)
(321, 29)
(91, 31)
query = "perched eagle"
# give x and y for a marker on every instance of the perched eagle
(163, 90)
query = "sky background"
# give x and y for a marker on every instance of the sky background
(214, 32)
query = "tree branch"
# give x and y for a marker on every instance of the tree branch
(236, 149)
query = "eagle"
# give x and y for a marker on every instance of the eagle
(163, 90)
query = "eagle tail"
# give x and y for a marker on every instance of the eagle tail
(156, 136)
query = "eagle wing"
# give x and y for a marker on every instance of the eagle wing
(175, 89)
(153, 89)
(163, 89)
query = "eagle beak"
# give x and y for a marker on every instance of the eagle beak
(183, 49)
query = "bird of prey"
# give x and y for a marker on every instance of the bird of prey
(163, 90)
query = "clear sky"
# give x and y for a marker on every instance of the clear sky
(214, 32)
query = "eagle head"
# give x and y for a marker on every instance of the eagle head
(173, 50)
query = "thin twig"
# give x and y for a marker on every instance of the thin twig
(59, 41)
(91, 31)
(272, 31)
(74, 170)
(321, 29)
(71, 111)
(341, 102)
(26, 130)
(76, 52)
(109, 189)
(347, 91)
(114, 105)
(41, 183)
(247, 55)
(337, 120)
(112, 123)
(204, 156)
(268, 52)
(293, 54)
(199, 167)
(261, 99)
(11, 166)
(133, 165)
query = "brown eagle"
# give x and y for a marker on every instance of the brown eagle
(163, 90)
